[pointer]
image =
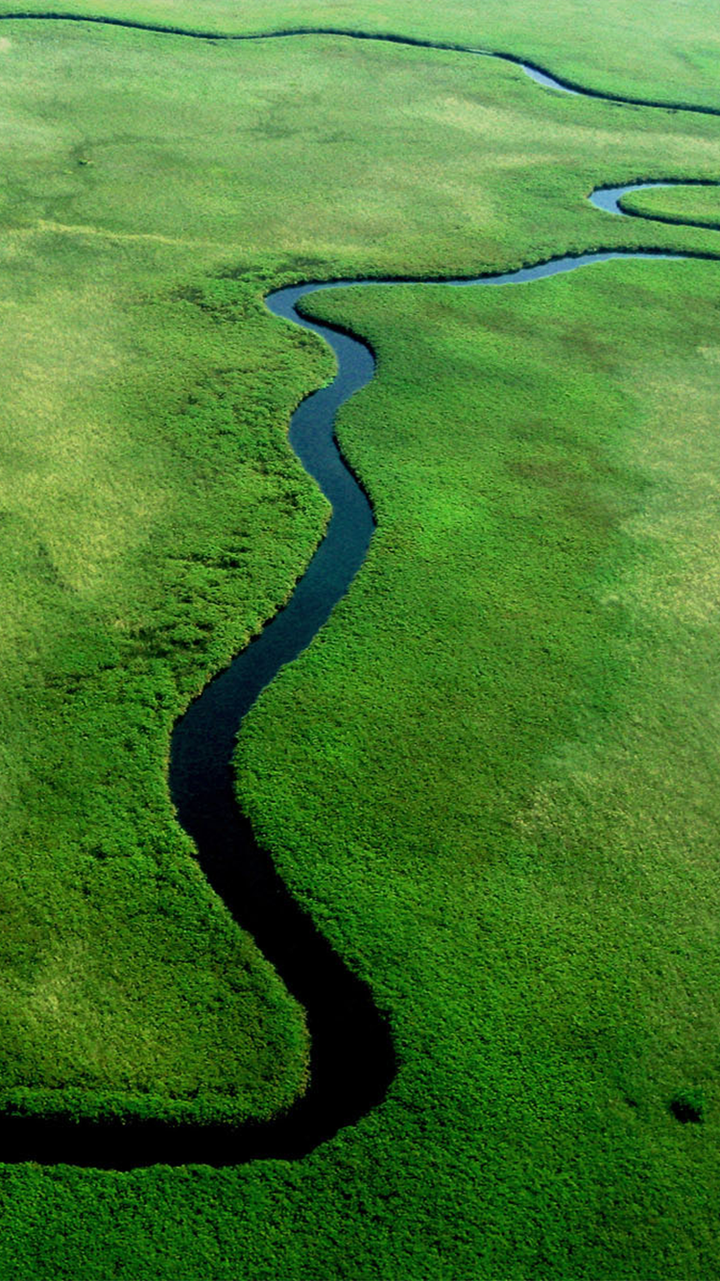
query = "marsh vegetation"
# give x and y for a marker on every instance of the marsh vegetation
(491, 780)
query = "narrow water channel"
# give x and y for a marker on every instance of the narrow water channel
(352, 1064)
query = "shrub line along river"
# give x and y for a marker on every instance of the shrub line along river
(352, 1060)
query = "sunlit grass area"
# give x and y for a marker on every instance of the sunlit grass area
(626, 47)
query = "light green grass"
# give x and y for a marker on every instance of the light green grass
(677, 204)
(626, 47)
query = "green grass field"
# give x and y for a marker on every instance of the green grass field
(681, 204)
(626, 47)
(530, 649)
(514, 721)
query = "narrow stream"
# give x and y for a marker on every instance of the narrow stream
(352, 1058)
(352, 1063)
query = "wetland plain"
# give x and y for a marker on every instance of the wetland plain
(488, 782)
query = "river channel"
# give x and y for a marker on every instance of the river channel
(352, 1060)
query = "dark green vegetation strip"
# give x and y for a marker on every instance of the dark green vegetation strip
(108, 232)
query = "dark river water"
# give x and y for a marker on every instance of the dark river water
(352, 1063)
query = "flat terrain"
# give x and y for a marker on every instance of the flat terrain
(680, 204)
(154, 513)
(514, 720)
(628, 47)
(530, 649)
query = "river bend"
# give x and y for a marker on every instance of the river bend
(352, 1060)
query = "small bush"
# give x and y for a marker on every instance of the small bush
(688, 1106)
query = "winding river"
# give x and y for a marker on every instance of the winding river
(352, 1060)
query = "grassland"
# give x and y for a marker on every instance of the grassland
(677, 204)
(151, 189)
(626, 47)
(154, 514)
(514, 719)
